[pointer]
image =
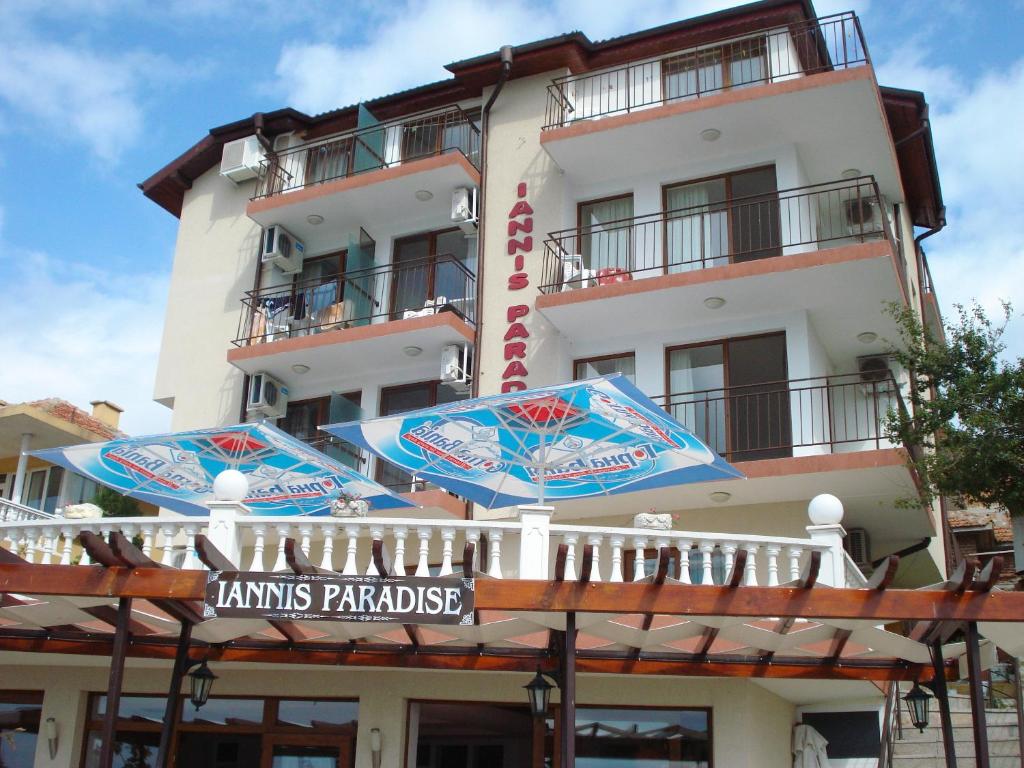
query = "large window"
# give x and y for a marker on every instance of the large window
(230, 733)
(19, 727)
(304, 417)
(608, 737)
(606, 241)
(734, 65)
(713, 221)
(431, 269)
(401, 399)
(458, 735)
(605, 366)
(733, 395)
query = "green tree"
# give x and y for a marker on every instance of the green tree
(965, 427)
(114, 504)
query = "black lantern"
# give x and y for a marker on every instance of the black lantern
(201, 680)
(917, 706)
(539, 691)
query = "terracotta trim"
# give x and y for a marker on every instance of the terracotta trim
(349, 335)
(857, 252)
(819, 80)
(828, 462)
(424, 165)
(435, 497)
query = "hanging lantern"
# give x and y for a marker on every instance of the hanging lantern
(917, 706)
(201, 680)
(539, 691)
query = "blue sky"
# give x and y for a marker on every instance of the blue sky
(95, 95)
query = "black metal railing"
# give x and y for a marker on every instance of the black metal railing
(927, 286)
(392, 292)
(841, 413)
(766, 56)
(370, 149)
(339, 450)
(714, 234)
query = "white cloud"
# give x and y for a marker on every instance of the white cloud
(80, 333)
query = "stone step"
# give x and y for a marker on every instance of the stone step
(996, 748)
(940, 762)
(966, 719)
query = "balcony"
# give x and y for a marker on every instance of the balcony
(764, 254)
(932, 315)
(809, 85)
(370, 177)
(367, 315)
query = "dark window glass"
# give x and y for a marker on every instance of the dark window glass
(615, 738)
(624, 364)
(312, 713)
(225, 712)
(19, 728)
(849, 734)
(132, 749)
(139, 708)
(472, 735)
(219, 750)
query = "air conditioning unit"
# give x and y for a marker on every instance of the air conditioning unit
(876, 373)
(862, 215)
(241, 159)
(281, 249)
(268, 397)
(464, 209)
(457, 367)
(858, 546)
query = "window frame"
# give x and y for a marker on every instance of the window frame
(601, 358)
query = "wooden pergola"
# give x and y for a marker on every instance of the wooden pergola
(129, 605)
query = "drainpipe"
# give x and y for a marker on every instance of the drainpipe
(925, 125)
(922, 544)
(506, 67)
(258, 125)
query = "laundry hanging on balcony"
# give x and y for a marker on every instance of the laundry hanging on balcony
(599, 436)
(286, 476)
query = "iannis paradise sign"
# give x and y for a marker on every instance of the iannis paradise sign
(319, 597)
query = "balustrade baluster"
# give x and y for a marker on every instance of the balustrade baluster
(473, 537)
(616, 542)
(329, 531)
(447, 538)
(148, 532)
(423, 565)
(352, 547)
(306, 532)
(494, 552)
(85, 559)
(192, 562)
(46, 556)
(30, 544)
(69, 541)
(281, 564)
(595, 541)
(707, 548)
(772, 553)
(401, 532)
(640, 552)
(794, 562)
(259, 532)
(750, 572)
(376, 534)
(728, 556)
(570, 540)
(167, 531)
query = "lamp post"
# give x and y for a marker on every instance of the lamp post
(917, 706)
(201, 681)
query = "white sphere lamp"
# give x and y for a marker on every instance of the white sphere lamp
(230, 485)
(825, 509)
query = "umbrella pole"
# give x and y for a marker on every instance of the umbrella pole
(124, 615)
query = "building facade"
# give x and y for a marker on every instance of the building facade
(719, 209)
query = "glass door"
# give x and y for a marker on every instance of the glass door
(307, 752)
(697, 226)
(606, 235)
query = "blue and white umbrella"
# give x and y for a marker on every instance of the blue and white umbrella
(176, 471)
(587, 438)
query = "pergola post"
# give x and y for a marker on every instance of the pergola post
(124, 615)
(977, 695)
(942, 694)
(568, 710)
(173, 709)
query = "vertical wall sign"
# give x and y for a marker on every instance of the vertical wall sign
(520, 244)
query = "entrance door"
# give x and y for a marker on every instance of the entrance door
(307, 752)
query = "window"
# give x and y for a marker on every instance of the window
(606, 234)
(79, 489)
(401, 399)
(303, 418)
(430, 267)
(459, 735)
(733, 395)
(636, 738)
(328, 161)
(605, 366)
(230, 733)
(20, 714)
(734, 65)
(715, 221)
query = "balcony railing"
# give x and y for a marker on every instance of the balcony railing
(927, 285)
(716, 233)
(378, 294)
(799, 417)
(12, 511)
(370, 149)
(767, 56)
(422, 547)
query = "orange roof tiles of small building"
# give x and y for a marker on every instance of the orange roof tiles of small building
(72, 414)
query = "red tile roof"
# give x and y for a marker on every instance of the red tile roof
(72, 414)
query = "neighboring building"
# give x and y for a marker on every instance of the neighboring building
(983, 533)
(49, 423)
(718, 209)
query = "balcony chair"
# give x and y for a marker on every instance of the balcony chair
(574, 274)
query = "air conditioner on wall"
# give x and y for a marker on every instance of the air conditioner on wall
(241, 159)
(456, 367)
(858, 546)
(282, 249)
(862, 215)
(464, 209)
(876, 374)
(268, 397)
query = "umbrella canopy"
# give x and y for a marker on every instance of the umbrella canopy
(176, 471)
(587, 438)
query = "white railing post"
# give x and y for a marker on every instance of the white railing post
(329, 531)
(281, 564)
(595, 541)
(259, 532)
(826, 513)
(223, 531)
(494, 553)
(570, 540)
(534, 540)
(617, 542)
(401, 532)
(639, 554)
